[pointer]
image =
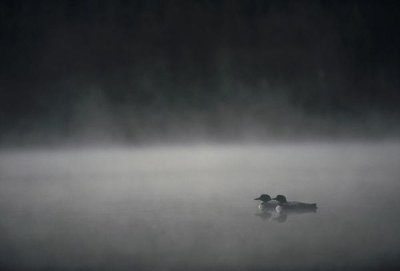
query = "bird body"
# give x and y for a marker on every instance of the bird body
(270, 205)
(283, 204)
(266, 202)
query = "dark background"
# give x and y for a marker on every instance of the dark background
(138, 71)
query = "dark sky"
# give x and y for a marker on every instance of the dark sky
(151, 67)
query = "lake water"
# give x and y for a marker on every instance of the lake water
(192, 207)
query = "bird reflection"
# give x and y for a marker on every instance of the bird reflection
(265, 215)
(279, 215)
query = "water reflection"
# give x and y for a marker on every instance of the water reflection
(264, 215)
(282, 215)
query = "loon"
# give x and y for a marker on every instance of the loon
(266, 202)
(284, 205)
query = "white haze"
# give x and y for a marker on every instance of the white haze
(192, 207)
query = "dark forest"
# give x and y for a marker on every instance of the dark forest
(133, 71)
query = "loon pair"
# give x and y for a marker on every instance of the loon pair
(279, 203)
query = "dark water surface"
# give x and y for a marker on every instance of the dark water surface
(185, 208)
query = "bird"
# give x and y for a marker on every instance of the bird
(295, 206)
(266, 203)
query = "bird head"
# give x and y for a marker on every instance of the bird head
(263, 198)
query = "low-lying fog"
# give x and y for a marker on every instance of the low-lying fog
(185, 208)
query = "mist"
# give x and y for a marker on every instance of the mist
(175, 208)
(135, 135)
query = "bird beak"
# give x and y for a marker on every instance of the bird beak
(257, 198)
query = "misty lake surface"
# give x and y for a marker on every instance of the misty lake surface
(193, 207)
